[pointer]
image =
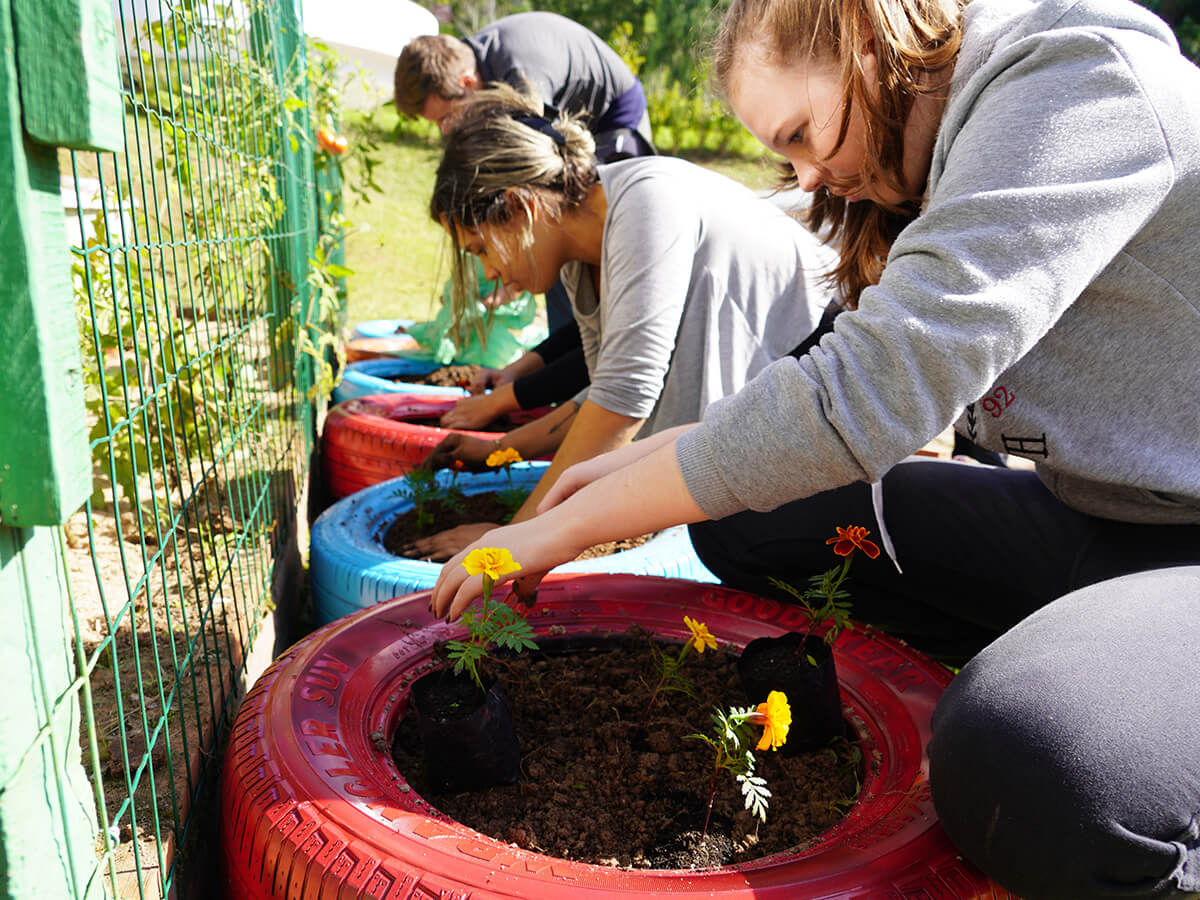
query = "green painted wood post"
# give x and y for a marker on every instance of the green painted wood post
(48, 831)
(58, 87)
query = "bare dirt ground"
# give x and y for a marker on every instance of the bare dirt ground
(164, 618)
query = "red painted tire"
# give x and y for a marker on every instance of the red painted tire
(369, 439)
(314, 807)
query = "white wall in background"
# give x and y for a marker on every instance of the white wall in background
(370, 34)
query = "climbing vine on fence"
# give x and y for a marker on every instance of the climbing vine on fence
(171, 284)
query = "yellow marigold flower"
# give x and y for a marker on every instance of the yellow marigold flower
(491, 562)
(503, 457)
(701, 636)
(775, 716)
(849, 538)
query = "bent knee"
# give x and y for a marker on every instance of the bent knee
(1052, 805)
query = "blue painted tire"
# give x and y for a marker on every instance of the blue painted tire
(350, 569)
(374, 376)
(379, 327)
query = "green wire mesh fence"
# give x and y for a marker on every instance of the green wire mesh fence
(204, 320)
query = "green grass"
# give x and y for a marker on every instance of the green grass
(398, 254)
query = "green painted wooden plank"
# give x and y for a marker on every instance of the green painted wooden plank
(70, 84)
(45, 468)
(48, 827)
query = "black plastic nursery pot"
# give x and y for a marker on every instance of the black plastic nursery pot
(802, 666)
(466, 732)
(313, 805)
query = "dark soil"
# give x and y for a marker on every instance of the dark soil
(483, 507)
(605, 781)
(446, 376)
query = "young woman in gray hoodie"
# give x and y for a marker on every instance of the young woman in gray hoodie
(1015, 188)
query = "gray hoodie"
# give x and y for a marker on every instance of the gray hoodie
(1046, 300)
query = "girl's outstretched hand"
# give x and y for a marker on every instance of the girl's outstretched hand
(534, 544)
(467, 449)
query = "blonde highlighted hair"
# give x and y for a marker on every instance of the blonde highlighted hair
(911, 40)
(502, 157)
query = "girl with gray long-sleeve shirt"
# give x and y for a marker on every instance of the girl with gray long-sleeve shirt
(684, 283)
(1016, 189)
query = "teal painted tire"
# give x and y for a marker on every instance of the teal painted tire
(377, 376)
(350, 569)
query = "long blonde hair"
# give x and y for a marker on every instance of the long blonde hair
(500, 158)
(912, 38)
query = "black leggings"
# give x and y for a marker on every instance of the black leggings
(1065, 758)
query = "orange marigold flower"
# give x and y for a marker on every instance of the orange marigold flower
(775, 716)
(503, 457)
(490, 561)
(701, 636)
(849, 538)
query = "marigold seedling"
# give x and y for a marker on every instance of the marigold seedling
(824, 600)
(421, 486)
(668, 665)
(495, 623)
(733, 733)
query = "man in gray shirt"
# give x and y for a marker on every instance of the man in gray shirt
(572, 69)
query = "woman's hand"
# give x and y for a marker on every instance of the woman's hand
(476, 412)
(445, 544)
(471, 451)
(532, 544)
(486, 379)
(644, 496)
(490, 379)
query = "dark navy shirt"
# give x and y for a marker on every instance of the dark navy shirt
(570, 67)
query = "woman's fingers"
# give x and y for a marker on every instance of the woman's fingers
(525, 588)
(443, 455)
(482, 380)
(469, 412)
(535, 547)
(446, 543)
(452, 582)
